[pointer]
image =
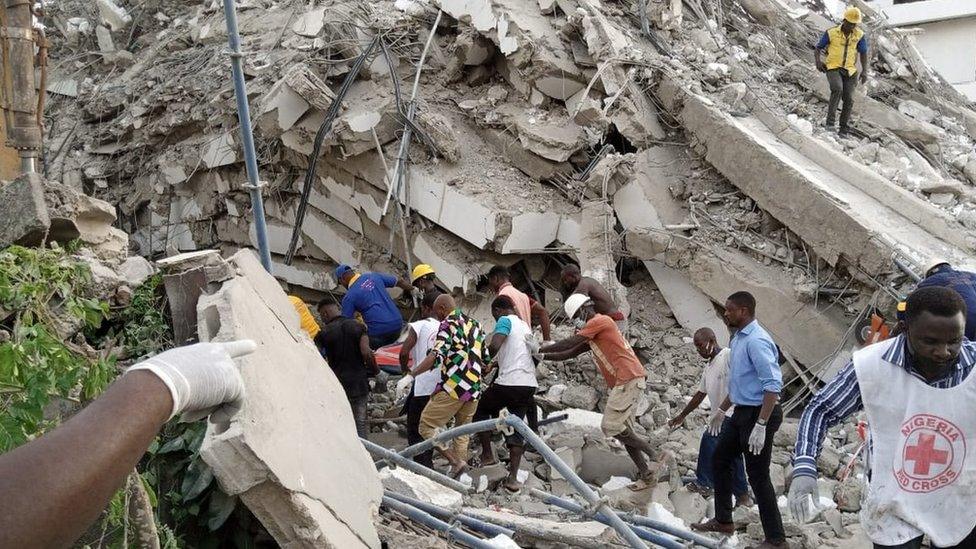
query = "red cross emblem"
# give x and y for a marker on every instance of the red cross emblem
(932, 453)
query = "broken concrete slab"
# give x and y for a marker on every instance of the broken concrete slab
(595, 260)
(589, 534)
(690, 306)
(407, 483)
(801, 193)
(26, 220)
(113, 15)
(277, 472)
(798, 326)
(556, 140)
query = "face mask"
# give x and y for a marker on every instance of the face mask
(579, 323)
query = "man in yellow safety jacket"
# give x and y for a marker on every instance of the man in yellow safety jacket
(843, 45)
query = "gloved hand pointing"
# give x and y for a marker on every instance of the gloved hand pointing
(804, 498)
(201, 377)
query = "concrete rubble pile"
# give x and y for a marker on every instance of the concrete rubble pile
(676, 164)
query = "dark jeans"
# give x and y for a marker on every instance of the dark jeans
(704, 471)
(841, 88)
(733, 442)
(415, 406)
(360, 414)
(381, 340)
(968, 543)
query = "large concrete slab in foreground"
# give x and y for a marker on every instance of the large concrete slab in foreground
(291, 454)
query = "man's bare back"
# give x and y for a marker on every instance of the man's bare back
(602, 302)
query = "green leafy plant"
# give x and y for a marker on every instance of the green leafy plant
(44, 292)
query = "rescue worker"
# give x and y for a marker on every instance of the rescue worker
(620, 368)
(843, 44)
(513, 389)
(574, 282)
(714, 385)
(941, 273)
(420, 340)
(755, 382)
(366, 294)
(528, 309)
(422, 278)
(920, 401)
(460, 355)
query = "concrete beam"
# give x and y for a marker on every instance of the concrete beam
(277, 472)
(837, 217)
(806, 332)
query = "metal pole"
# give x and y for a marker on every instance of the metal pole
(247, 136)
(20, 108)
(448, 435)
(427, 519)
(625, 531)
(414, 467)
(570, 505)
(451, 516)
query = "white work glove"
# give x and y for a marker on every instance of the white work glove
(804, 498)
(757, 439)
(532, 343)
(403, 387)
(201, 378)
(715, 422)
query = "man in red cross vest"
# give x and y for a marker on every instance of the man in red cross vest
(920, 401)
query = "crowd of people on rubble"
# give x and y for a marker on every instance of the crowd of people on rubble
(914, 387)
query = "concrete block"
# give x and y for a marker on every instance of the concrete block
(584, 423)
(135, 270)
(337, 241)
(279, 236)
(277, 472)
(529, 163)
(458, 264)
(26, 219)
(113, 15)
(411, 484)
(221, 150)
(600, 463)
(307, 274)
(588, 534)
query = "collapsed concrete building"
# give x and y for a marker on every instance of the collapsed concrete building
(674, 150)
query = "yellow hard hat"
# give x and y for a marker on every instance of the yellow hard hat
(421, 270)
(852, 15)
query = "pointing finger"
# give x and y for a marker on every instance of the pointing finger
(240, 347)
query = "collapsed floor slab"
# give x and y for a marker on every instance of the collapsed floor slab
(835, 216)
(291, 453)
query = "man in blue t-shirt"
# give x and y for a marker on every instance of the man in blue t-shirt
(366, 294)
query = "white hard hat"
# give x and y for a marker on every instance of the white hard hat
(933, 264)
(573, 304)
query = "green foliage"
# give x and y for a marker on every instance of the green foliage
(144, 328)
(42, 290)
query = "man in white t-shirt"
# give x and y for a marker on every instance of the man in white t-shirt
(515, 386)
(715, 385)
(420, 338)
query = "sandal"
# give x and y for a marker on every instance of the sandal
(638, 485)
(512, 490)
(460, 471)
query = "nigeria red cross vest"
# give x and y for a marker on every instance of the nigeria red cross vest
(923, 474)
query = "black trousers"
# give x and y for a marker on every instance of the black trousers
(841, 88)
(520, 401)
(733, 441)
(415, 406)
(968, 543)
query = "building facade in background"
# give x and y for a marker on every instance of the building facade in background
(949, 40)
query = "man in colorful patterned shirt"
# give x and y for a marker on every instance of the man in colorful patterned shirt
(461, 355)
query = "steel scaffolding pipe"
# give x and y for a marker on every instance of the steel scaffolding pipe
(622, 528)
(571, 505)
(450, 516)
(659, 526)
(446, 436)
(414, 467)
(247, 135)
(431, 521)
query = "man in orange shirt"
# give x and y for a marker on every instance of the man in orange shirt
(499, 279)
(621, 369)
